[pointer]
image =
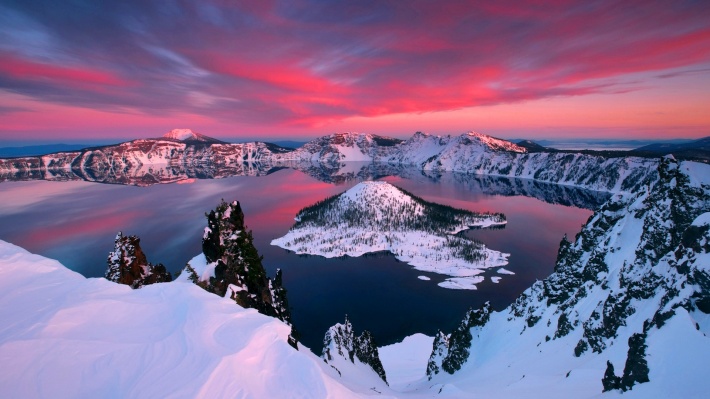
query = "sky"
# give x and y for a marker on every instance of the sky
(86, 70)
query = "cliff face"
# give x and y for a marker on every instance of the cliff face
(127, 264)
(640, 264)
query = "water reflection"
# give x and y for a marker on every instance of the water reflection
(343, 173)
(75, 222)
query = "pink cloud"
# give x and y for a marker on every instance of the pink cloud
(294, 66)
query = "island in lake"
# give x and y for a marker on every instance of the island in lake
(378, 216)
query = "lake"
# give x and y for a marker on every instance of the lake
(75, 222)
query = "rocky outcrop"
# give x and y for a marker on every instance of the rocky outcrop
(237, 271)
(127, 264)
(451, 352)
(340, 343)
(639, 261)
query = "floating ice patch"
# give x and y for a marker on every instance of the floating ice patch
(461, 283)
(505, 271)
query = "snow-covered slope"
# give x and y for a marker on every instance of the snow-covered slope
(471, 153)
(476, 153)
(377, 216)
(65, 336)
(146, 161)
(628, 302)
(405, 362)
(342, 147)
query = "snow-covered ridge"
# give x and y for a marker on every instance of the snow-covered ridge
(626, 309)
(342, 147)
(69, 336)
(471, 153)
(145, 162)
(377, 216)
(476, 153)
(494, 143)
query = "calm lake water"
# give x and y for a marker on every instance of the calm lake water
(75, 222)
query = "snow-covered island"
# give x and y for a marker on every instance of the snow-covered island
(376, 216)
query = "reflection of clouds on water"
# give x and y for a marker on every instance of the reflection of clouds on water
(76, 222)
(16, 196)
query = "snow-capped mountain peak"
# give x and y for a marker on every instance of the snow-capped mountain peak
(494, 143)
(188, 135)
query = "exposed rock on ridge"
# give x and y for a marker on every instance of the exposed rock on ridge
(641, 261)
(127, 264)
(340, 343)
(233, 266)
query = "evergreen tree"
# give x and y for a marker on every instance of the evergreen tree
(440, 349)
(227, 243)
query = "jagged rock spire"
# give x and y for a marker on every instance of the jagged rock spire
(340, 341)
(127, 264)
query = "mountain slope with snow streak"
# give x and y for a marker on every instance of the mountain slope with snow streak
(145, 162)
(377, 216)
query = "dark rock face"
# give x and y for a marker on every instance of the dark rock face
(340, 341)
(453, 351)
(610, 380)
(440, 349)
(366, 351)
(636, 368)
(239, 273)
(127, 264)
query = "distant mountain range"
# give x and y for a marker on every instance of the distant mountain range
(183, 154)
(696, 150)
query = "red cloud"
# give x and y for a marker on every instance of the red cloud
(283, 63)
(23, 69)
